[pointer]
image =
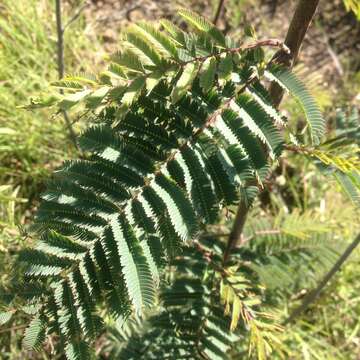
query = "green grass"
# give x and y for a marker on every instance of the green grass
(32, 144)
(29, 142)
(330, 327)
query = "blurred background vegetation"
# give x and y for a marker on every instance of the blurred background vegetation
(33, 144)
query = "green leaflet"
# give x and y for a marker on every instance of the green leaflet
(141, 218)
(96, 97)
(225, 66)
(261, 96)
(34, 334)
(89, 321)
(187, 76)
(240, 162)
(158, 39)
(78, 350)
(117, 70)
(265, 128)
(143, 47)
(78, 198)
(203, 25)
(42, 264)
(129, 61)
(53, 243)
(350, 184)
(104, 185)
(185, 220)
(133, 91)
(176, 33)
(114, 170)
(135, 268)
(71, 100)
(296, 88)
(207, 76)
(152, 80)
(68, 212)
(111, 281)
(224, 178)
(154, 264)
(168, 234)
(177, 172)
(68, 84)
(244, 137)
(141, 128)
(200, 186)
(5, 316)
(82, 78)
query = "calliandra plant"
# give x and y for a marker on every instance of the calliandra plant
(183, 129)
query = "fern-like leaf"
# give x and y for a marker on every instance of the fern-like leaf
(183, 127)
(295, 87)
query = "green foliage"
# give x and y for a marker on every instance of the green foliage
(220, 312)
(31, 144)
(34, 334)
(312, 113)
(319, 333)
(27, 63)
(283, 248)
(354, 6)
(163, 159)
(339, 155)
(202, 303)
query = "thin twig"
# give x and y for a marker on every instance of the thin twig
(218, 11)
(312, 295)
(236, 234)
(76, 15)
(261, 233)
(61, 65)
(260, 43)
(332, 53)
(216, 235)
(13, 328)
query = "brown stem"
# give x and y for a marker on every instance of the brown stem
(237, 230)
(216, 235)
(218, 11)
(312, 295)
(300, 22)
(61, 66)
(260, 43)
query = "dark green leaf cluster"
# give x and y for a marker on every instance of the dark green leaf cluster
(184, 128)
(192, 323)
